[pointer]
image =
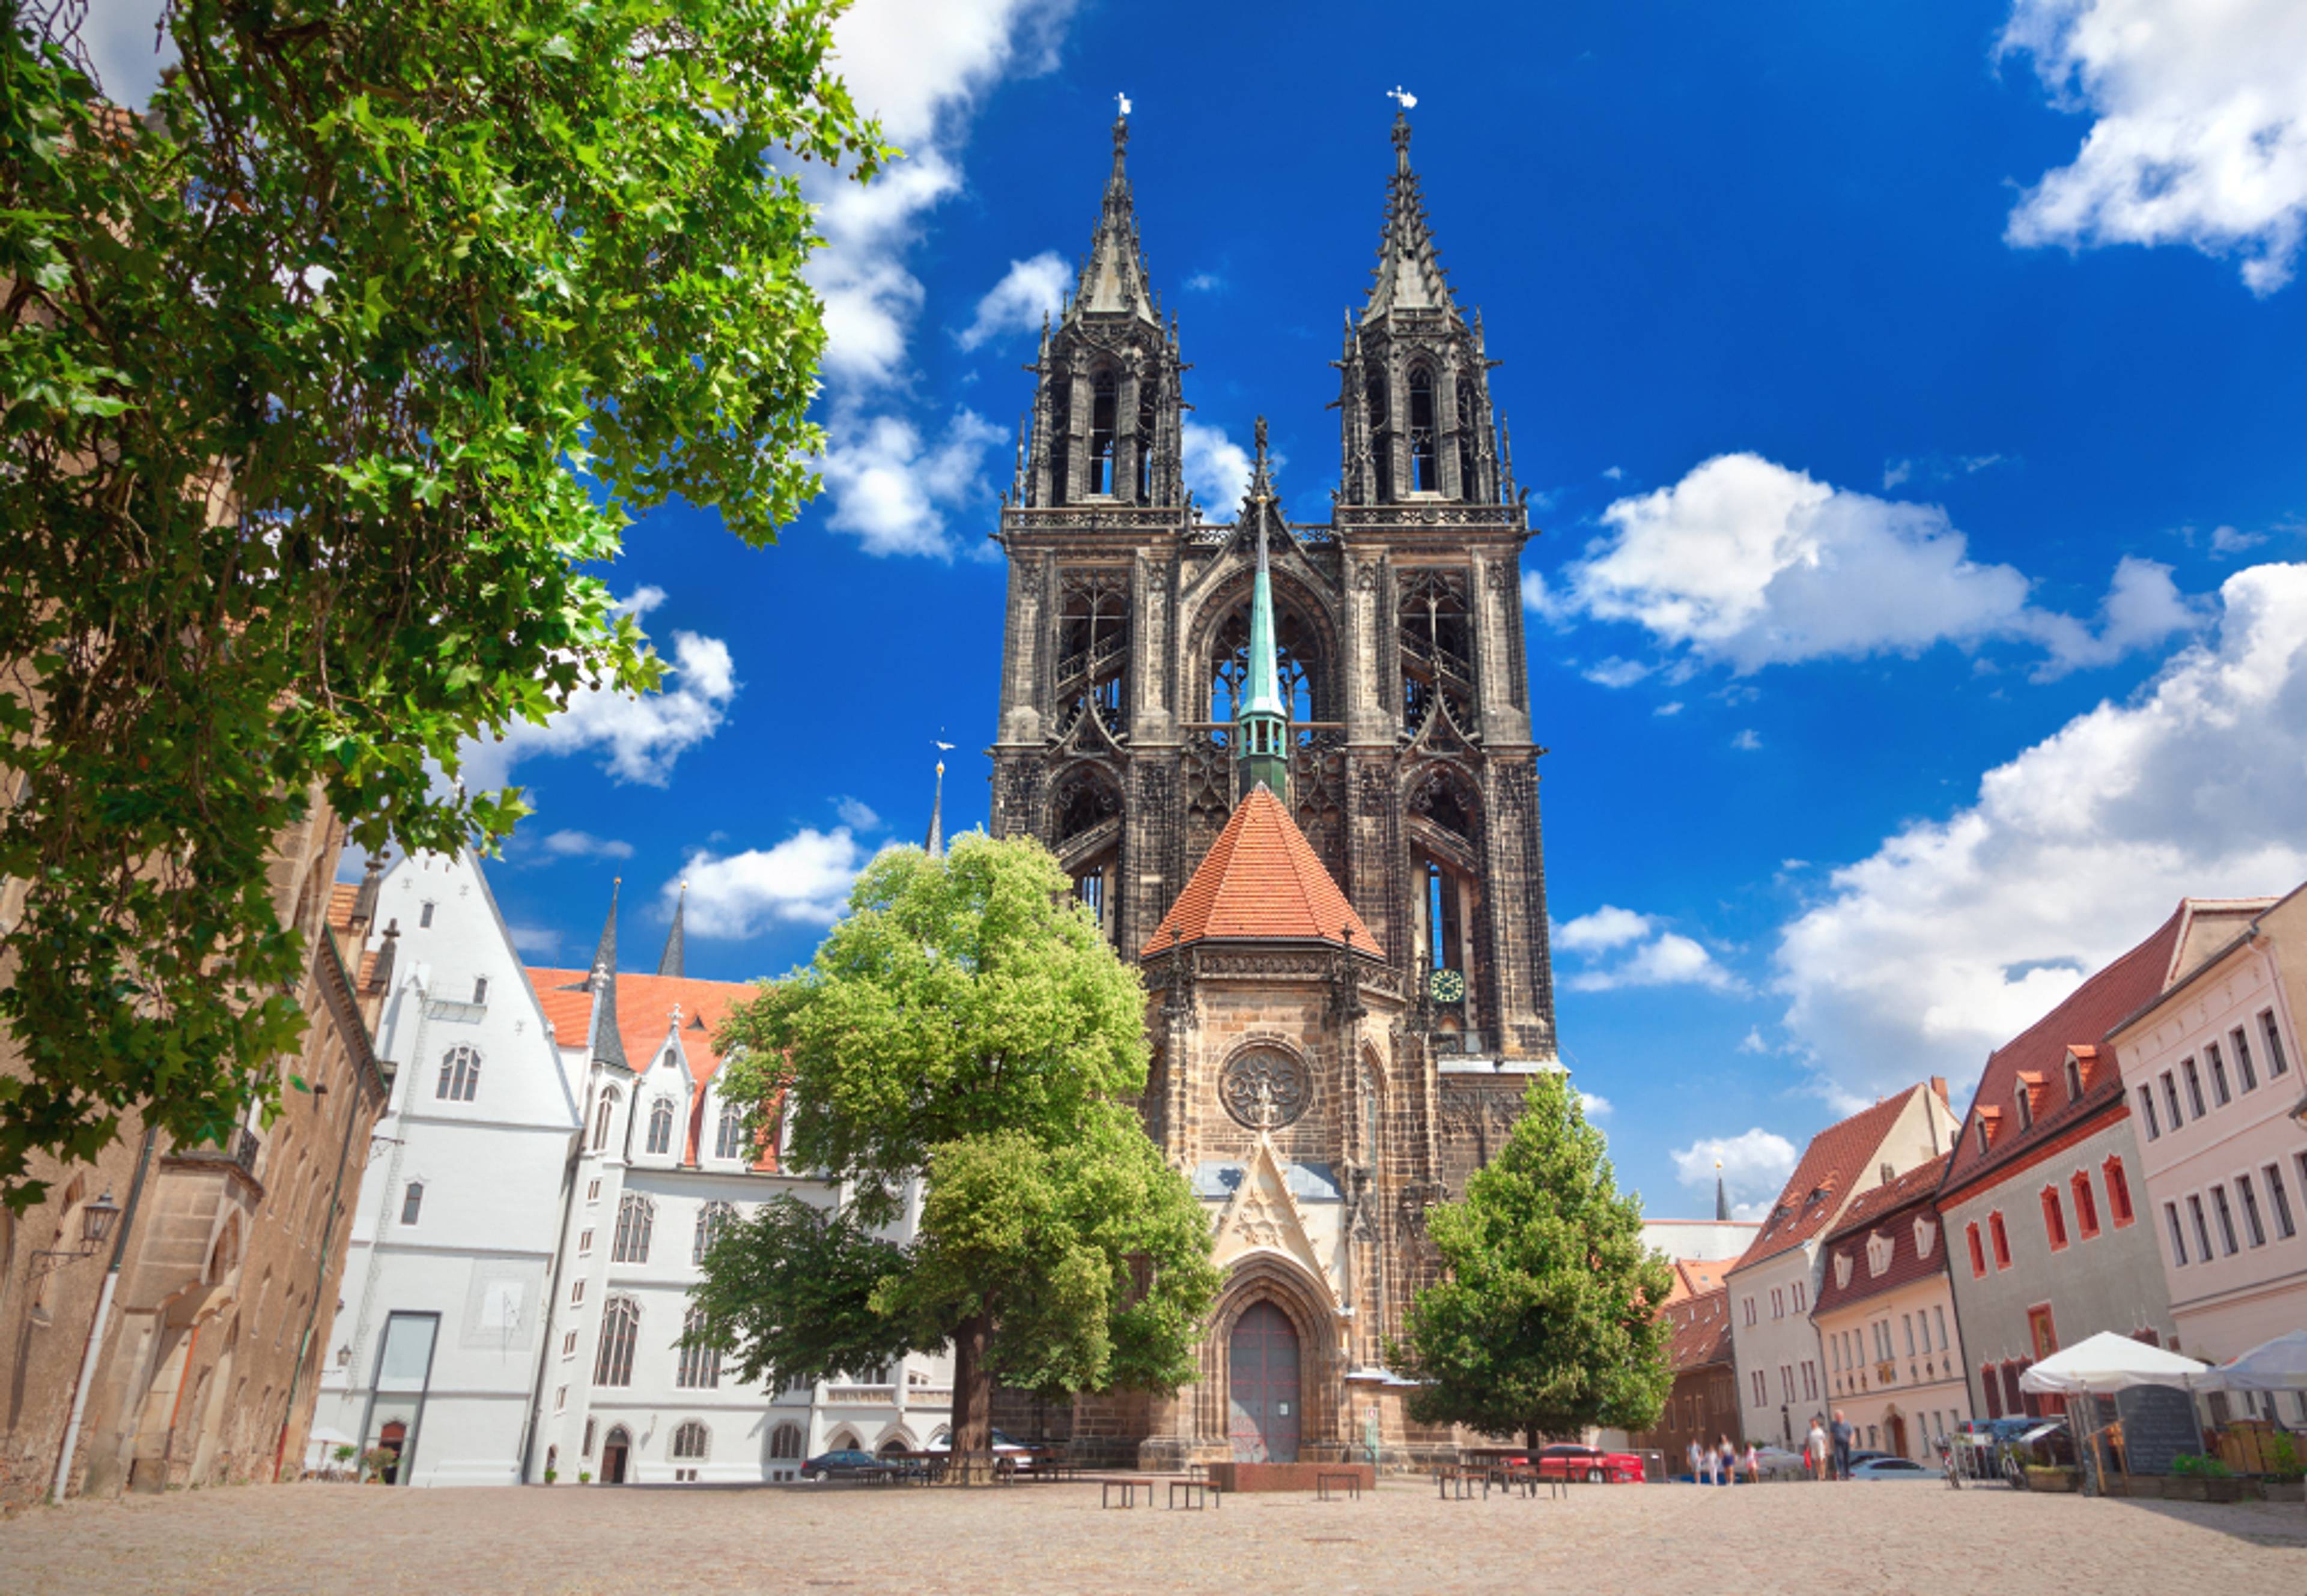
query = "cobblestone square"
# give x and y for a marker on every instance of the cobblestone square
(1885, 1541)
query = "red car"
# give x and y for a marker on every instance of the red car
(1569, 1462)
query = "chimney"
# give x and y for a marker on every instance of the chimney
(1938, 1085)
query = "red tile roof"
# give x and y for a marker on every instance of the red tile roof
(1838, 1160)
(1891, 1209)
(1701, 1330)
(1262, 878)
(1694, 1277)
(2089, 1012)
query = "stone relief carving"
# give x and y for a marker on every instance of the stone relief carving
(1264, 1089)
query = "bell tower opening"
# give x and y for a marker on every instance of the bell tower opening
(1437, 661)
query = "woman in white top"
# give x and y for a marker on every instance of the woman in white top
(1818, 1450)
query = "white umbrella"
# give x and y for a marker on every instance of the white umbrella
(2277, 1364)
(2107, 1363)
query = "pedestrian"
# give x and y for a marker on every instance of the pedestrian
(1844, 1436)
(1697, 1456)
(1753, 1464)
(1816, 1448)
(1730, 1461)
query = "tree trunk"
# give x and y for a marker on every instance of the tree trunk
(972, 1402)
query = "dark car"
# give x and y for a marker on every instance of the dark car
(1569, 1462)
(841, 1466)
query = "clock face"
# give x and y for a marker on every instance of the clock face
(1448, 986)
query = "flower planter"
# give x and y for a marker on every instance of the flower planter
(2194, 1488)
(2057, 1479)
(2282, 1491)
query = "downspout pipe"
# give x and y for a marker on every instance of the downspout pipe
(97, 1324)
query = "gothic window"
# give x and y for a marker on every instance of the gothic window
(1443, 855)
(601, 1113)
(1093, 650)
(1060, 442)
(1297, 666)
(729, 1135)
(1425, 462)
(1146, 425)
(711, 1220)
(701, 1365)
(1469, 484)
(1101, 405)
(1381, 435)
(660, 1129)
(460, 1075)
(1436, 653)
(1085, 834)
(690, 1440)
(620, 1327)
(785, 1441)
(636, 1215)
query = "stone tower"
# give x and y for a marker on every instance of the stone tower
(1248, 705)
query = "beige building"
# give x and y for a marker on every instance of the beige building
(2219, 1100)
(1885, 1318)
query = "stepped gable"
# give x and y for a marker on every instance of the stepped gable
(2126, 985)
(1834, 1165)
(1262, 880)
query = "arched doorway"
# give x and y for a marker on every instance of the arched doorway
(612, 1456)
(1262, 1403)
(1894, 1432)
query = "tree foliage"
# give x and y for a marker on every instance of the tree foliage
(322, 384)
(1546, 1320)
(966, 1024)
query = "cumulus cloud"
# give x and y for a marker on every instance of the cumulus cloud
(1756, 1164)
(1956, 934)
(1607, 927)
(1747, 741)
(1204, 282)
(1615, 671)
(1750, 563)
(536, 941)
(1027, 292)
(1217, 468)
(584, 844)
(893, 486)
(857, 814)
(638, 736)
(1663, 959)
(802, 880)
(1592, 1106)
(2198, 130)
(1672, 706)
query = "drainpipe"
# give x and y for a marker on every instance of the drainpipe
(313, 1311)
(97, 1324)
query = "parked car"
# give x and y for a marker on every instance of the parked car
(1882, 1467)
(1014, 1457)
(1566, 1461)
(843, 1464)
(1778, 1464)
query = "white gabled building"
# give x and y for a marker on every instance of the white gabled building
(452, 1249)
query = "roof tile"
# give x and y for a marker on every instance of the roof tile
(1262, 878)
(1836, 1161)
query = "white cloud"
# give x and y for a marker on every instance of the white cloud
(1752, 1042)
(1027, 292)
(1673, 707)
(584, 844)
(1669, 959)
(1607, 927)
(1592, 1106)
(857, 814)
(893, 488)
(1956, 934)
(1615, 671)
(1217, 468)
(2226, 540)
(1204, 282)
(640, 736)
(1746, 741)
(802, 880)
(1614, 474)
(2199, 134)
(1756, 1164)
(1750, 563)
(537, 941)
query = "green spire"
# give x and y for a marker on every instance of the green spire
(1261, 720)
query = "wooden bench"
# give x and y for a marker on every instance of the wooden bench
(1451, 1481)
(1199, 1494)
(1128, 1487)
(1328, 1482)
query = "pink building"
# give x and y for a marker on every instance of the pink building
(2218, 1096)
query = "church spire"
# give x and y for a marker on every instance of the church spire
(608, 1042)
(1409, 276)
(935, 845)
(1113, 277)
(1721, 1195)
(670, 962)
(1261, 720)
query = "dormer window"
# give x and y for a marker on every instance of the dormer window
(1879, 1250)
(1841, 1270)
(1926, 1236)
(2019, 1100)
(1990, 1120)
(2074, 1079)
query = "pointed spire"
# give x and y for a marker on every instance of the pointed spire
(935, 845)
(1261, 720)
(608, 1043)
(1409, 276)
(1113, 277)
(669, 962)
(1721, 1197)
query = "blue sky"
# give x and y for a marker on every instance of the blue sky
(1913, 397)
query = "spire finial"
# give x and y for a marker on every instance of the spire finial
(672, 962)
(605, 954)
(1261, 720)
(934, 845)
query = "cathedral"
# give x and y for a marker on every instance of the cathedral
(1289, 769)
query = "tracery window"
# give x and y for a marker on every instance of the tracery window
(636, 1217)
(785, 1441)
(711, 1220)
(729, 1135)
(689, 1441)
(1146, 422)
(1469, 420)
(1100, 478)
(460, 1075)
(1379, 413)
(660, 1125)
(701, 1365)
(1094, 651)
(1060, 440)
(1436, 649)
(1300, 669)
(621, 1328)
(1425, 460)
(601, 1112)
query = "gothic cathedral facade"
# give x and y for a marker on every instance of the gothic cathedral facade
(1289, 769)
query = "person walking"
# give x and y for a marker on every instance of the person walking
(1816, 1448)
(1753, 1464)
(1697, 1455)
(1730, 1461)
(1844, 1436)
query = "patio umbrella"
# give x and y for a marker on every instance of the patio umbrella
(2277, 1364)
(2105, 1363)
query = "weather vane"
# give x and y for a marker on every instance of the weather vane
(1401, 97)
(1122, 99)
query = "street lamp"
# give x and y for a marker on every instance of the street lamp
(95, 1222)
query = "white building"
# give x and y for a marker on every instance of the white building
(451, 1246)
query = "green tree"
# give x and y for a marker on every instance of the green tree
(323, 386)
(965, 1024)
(1546, 1320)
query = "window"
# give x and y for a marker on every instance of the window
(601, 1118)
(1762, 1392)
(2022, 1097)
(635, 1216)
(1985, 1137)
(1993, 1388)
(690, 1440)
(2280, 1200)
(1923, 1319)
(1978, 1251)
(585, 1244)
(412, 1202)
(480, 989)
(785, 1441)
(2147, 1109)
(423, 916)
(2227, 1220)
(2202, 1228)
(2000, 1238)
(1380, 411)
(559, 1398)
(660, 1129)
(701, 1365)
(1810, 1380)
(2194, 1086)
(588, 1451)
(621, 1326)
(568, 1346)
(2171, 1101)
(1101, 405)
(729, 1136)
(2178, 1234)
(460, 1075)
(1944, 1341)
(2276, 1064)
(2254, 1228)
(1787, 1381)
(1802, 1294)
(1777, 1303)
(577, 1289)
(2074, 1079)
(593, 1192)
(1907, 1322)
(710, 1220)
(2118, 1192)
(2086, 1205)
(2220, 1095)
(1750, 1310)
(2242, 1041)
(1425, 461)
